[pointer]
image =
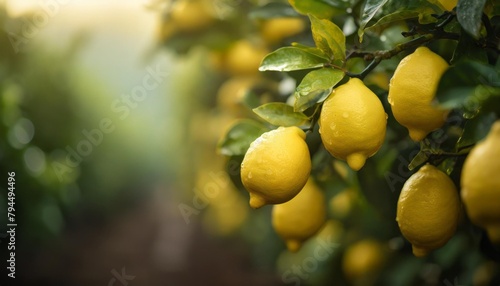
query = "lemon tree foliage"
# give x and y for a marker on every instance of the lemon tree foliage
(384, 98)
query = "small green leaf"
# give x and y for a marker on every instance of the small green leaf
(469, 13)
(237, 140)
(476, 129)
(273, 10)
(393, 17)
(280, 114)
(291, 59)
(318, 8)
(316, 87)
(329, 38)
(369, 11)
(418, 160)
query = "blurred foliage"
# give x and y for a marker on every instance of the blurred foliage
(362, 205)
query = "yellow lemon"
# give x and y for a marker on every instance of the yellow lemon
(191, 15)
(481, 184)
(342, 203)
(363, 258)
(244, 58)
(448, 4)
(412, 90)
(276, 29)
(352, 123)
(428, 210)
(276, 166)
(301, 217)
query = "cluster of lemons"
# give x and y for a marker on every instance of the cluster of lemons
(276, 168)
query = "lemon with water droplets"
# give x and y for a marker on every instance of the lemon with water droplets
(276, 166)
(481, 184)
(428, 210)
(352, 123)
(301, 217)
(412, 90)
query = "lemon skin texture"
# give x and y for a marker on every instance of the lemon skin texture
(480, 184)
(428, 210)
(352, 123)
(412, 90)
(276, 166)
(301, 217)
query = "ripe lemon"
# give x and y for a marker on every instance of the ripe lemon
(276, 166)
(244, 58)
(352, 123)
(276, 29)
(342, 203)
(481, 184)
(362, 258)
(301, 217)
(191, 15)
(412, 90)
(428, 210)
(448, 4)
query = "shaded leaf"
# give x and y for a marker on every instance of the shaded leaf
(418, 160)
(318, 8)
(329, 38)
(475, 130)
(290, 59)
(273, 10)
(237, 140)
(469, 13)
(280, 114)
(369, 11)
(316, 87)
(467, 49)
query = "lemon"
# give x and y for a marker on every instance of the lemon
(362, 259)
(276, 166)
(412, 90)
(481, 184)
(352, 123)
(301, 217)
(191, 15)
(448, 4)
(244, 58)
(342, 203)
(276, 29)
(428, 210)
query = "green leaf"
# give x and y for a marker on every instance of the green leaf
(418, 160)
(280, 114)
(393, 17)
(316, 87)
(312, 50)
(369, 11)
(467, 83)
(291, 59)
(329, 38)
(240, 135)
(318, 8)
(273, 10)
(469, 13)
(475, 130)
(467, 49)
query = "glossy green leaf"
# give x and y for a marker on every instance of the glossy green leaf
(329, 38)
(476, 129)
(280, 114)
(469, 13)
(237, 140)
(312, 50)
(318, 8)
(369, 11)
(467, 83)
(316, 87)
(291, 59)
